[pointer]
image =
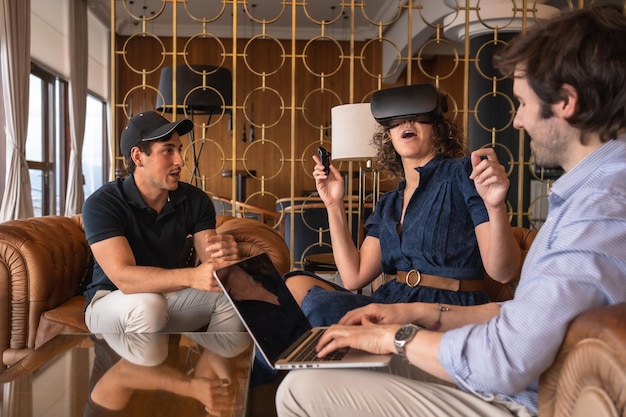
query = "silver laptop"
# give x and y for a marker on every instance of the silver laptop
(278, 326)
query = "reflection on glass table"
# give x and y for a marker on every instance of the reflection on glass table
(190, 374)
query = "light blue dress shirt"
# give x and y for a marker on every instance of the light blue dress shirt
(576, 262)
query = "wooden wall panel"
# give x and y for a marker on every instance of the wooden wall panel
(281, 151)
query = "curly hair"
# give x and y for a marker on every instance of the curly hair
(447, 142)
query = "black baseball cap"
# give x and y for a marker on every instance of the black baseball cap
(150, 125)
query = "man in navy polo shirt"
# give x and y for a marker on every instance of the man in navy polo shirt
(138, 230)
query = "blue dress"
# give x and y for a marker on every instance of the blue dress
(437, 238)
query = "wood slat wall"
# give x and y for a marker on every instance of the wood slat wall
(291, 170)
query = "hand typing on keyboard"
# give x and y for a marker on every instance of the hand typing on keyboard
(369, 337)
(308, 351)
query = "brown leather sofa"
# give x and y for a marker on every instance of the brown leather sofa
(44, 260)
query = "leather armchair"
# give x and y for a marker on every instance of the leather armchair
(588, 376)
(304, 225)
(45, 263)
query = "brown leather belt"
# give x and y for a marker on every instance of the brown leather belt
(413, 278)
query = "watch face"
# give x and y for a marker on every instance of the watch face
(404, 336)
(405, 332)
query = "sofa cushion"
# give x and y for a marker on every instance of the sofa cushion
(67, 318)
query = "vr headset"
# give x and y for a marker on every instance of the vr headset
(420, 101)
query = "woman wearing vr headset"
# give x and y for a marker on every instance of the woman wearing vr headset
(435, 235)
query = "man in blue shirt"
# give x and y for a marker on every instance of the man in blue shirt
(570, 81)
(142, 230)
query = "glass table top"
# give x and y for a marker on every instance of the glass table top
(129, 374)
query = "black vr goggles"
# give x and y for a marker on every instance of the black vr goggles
(420, 101)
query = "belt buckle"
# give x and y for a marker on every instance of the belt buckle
(408, 281)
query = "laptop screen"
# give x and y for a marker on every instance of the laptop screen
(264, 304)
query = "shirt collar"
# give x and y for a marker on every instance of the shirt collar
(132, 193)
(426, 172)
(134, 198)
(582, 172)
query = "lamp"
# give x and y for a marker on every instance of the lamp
(352, 129)
(205, 89)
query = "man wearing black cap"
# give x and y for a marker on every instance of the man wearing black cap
(140, 229)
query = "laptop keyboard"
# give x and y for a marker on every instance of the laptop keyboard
(308, 353)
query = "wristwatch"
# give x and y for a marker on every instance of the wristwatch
(404, 335)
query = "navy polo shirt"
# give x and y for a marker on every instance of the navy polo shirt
(156, 239)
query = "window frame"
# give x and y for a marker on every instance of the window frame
(55, 143)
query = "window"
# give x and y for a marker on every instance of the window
(95, 156)
(48, 142)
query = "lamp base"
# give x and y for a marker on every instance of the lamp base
(363, 173)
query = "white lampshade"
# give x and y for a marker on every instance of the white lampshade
(352, 129)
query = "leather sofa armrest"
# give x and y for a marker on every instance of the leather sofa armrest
(42, 262)
(588, 376)
(254, 237)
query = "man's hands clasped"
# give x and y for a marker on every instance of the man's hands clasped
(220, 250)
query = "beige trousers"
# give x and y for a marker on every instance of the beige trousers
(180, 311)
(369, 392)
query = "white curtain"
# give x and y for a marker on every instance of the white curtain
(15, 60)
(78, 105)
